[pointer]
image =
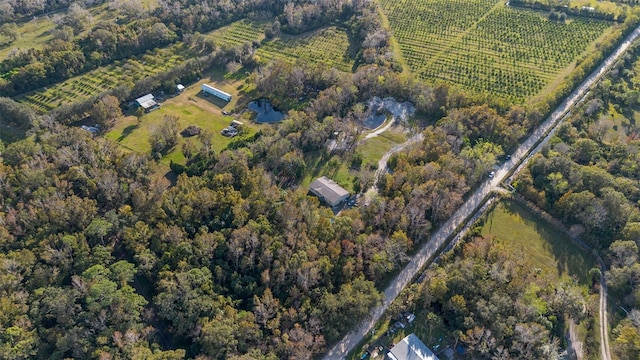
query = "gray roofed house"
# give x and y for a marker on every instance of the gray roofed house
(411, 348)
(328, 191)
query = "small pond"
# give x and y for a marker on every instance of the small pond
(266, 112)
(374, 121)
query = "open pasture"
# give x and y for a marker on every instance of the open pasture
(488, 47)
(103, 79)
(128, 133)
(191, 109)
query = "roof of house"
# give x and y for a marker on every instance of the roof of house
(145, 98)
(328, 189)
(214, 90)
(148, 104)
(411, 348)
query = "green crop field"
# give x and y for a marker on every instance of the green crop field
(487, 46)
(104, 78)
(238, 33)
(328, 45)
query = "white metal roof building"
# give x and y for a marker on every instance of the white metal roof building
(328, 191)
(411, 348)
(208, 89)
(147, 102)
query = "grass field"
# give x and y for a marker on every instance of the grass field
(317, 166)
(33, 35)
(486, 46)
(538, 242)
(191, 109)
(329, 45)
(104, 78)
(373, 149)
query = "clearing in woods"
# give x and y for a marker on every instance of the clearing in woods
(192, 109)
(545, 247)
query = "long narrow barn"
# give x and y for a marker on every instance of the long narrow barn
(208, 89)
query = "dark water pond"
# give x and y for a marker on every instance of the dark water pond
(374, 121)
(266, 112)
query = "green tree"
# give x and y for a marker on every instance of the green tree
(164, 136)
(139, 114)
(10, 31)
(342, 310)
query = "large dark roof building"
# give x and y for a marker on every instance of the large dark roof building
(328, 191)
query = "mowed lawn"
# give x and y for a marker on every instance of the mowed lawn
(373, 149)
(537, 241)
(192, 109)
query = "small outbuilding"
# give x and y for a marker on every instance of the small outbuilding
(147, 102)
(180, 88)
(410, 318)
(328, 191)
(411, 348)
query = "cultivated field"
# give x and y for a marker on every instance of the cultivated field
(103, 79)
(328, 45)
(238, 33)
(487, 46)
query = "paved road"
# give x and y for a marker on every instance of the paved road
(451, 226)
